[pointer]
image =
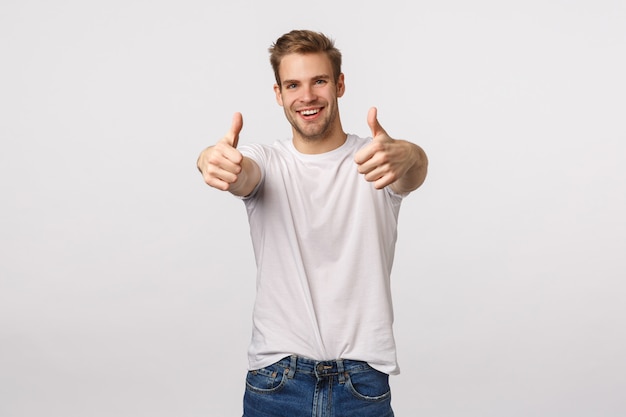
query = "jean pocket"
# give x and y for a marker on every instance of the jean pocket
(369, 385)
(266, 380)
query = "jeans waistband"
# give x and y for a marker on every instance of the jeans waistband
(321, 369)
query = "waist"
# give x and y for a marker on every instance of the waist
(299, 364)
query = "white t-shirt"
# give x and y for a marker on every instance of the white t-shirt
(324, 241)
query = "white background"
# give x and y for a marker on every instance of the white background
(126, 283)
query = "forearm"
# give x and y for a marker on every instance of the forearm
(416, 174)
(247, 179)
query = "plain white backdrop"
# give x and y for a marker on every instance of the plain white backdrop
(126, 283)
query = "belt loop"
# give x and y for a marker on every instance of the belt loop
(340, 371)
(292, 366)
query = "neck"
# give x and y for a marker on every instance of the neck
(319, 145)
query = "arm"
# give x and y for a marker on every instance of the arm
(415, 175)
(398, 163)
(225, 168)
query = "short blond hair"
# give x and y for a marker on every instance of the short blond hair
(304, 42)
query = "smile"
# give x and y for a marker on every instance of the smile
(309, 112)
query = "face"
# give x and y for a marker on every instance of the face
(308, 95)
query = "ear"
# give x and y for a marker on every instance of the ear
(279, 97)
(341, 85)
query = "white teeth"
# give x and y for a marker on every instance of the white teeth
(309, 112)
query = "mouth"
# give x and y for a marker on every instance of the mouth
(309, 113)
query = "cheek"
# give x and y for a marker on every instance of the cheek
(285, 101)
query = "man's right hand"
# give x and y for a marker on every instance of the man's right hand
(221, 164)
(225, 168)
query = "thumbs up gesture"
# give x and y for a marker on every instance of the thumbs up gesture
(221, 164)
(384, 160)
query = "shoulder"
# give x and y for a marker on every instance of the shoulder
(355, 142)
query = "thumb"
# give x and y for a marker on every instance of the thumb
(236, 125)
(372, 121)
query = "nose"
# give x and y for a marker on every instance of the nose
(308, 94)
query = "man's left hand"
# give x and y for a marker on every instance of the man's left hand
(384, 160)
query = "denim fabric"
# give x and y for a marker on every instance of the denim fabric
(301, 387)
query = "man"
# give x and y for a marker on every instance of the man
(323, 210)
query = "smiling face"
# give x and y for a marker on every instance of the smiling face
(308, 94)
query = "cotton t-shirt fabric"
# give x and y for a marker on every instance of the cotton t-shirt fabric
(324, 241)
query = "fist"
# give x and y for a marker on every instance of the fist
(220, 164)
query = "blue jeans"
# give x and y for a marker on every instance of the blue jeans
(301, 387)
